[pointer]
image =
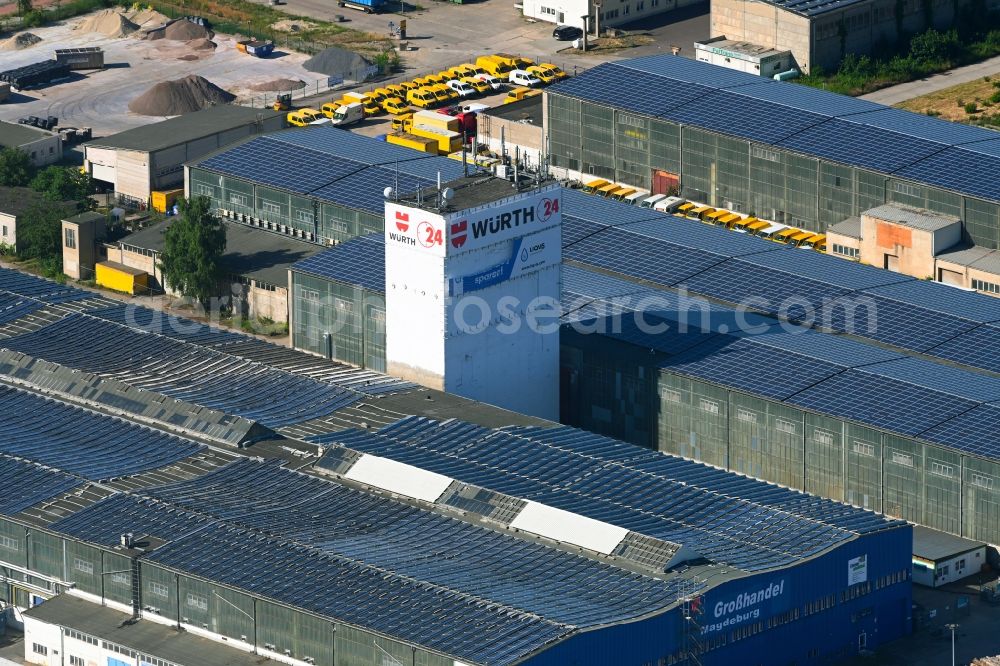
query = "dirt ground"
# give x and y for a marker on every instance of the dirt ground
(948, 103)
(99, 99)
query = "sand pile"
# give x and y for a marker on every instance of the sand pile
(288, 25)
(20, 41)
(279, 85)
(174, 98)
(109, 22)
(203, 44)
(147, 18)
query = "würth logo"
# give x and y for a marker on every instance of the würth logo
(402, 221)
(458, 233)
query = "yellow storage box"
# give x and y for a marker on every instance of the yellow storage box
(119, 277)
(162, 201)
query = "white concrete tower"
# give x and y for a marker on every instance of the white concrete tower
(472, 274)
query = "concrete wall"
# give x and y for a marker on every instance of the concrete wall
(44, 151)
(269, 303)
(48, 636)
(765, 25)
(612, 13)
(530, 138)
(825, 39)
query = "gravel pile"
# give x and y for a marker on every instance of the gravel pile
(279, 85)
(174, 98)
(203, 44)
(20, 41)
(180, 30)
(336, 62)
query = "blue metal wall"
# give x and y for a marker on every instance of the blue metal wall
(882, 614)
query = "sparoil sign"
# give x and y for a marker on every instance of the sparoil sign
(742, 608)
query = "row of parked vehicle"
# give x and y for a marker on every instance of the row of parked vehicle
(747, 224)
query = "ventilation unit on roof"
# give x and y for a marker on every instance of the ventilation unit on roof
(127, 540)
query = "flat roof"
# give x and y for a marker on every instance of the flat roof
(122, 268)
(254, 253)
(150, 638)
(917, 218)
(935, 546)
(181, 129)
(14, 135)
(980, 258)
(470, 191)
(83, 218)
(741, 47)
(528, 109)
(850, 227)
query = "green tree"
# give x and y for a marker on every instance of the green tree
(23, 7)
(193, 247)
(39, 235)
(58, 183)
(16, 168)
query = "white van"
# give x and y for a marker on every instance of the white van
(462, 88)
(520, 77)
(652, 201)
(768, 232)
(669, 205)
(635, 198)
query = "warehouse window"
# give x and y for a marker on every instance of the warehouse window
(38, 648)
(83, 638)
(988, 287)
(197, 601)
(902, 458)
(204, 190)
(118, 648)
(823, 437)
(304, 216)
(5, 230)
(863, 448)
(709, 406)
(670, 395)
(238, 199)
(982, 481)
(270, 208)
(781, 425)
(83, 566)
(941, 469)
(76, 661)
(9, 543)
(120, 578)
(761, 153)
(159, 589)
(845, 251)
(746, 415)
(71, 238)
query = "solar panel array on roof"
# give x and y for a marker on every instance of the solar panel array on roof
(14, 307)
(103, 522)
(195, 374)
(803, 119)
(26, 484)
(359, 261)
(81, 442)
(39, 288)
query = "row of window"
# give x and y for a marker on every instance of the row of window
(138, 250)
(988, 287)
(39, 649)
(9, 543)
(891, 579)
(844, 251)
(79, 636)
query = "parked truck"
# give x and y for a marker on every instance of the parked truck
(348, 114)
(367, 6)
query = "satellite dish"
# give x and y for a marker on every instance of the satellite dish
(387, 192)
(447, 194)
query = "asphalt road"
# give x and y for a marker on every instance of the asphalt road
(443, 34)
(905, 91)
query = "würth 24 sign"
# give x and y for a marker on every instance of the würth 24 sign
(453, 233)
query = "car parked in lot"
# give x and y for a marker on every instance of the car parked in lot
(491, 80)
(566, 33)
(462, 88)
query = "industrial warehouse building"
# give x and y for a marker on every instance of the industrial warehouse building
(934, 466)
(42, 146)
(246, 516)
(151, 158)
(819, 33)
(781, 151)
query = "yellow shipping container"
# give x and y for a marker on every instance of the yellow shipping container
(119, 277)
(161, 201)
(423, 144)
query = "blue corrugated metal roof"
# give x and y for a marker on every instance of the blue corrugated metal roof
(359, 261)
(838, 128)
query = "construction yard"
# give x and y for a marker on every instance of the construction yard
(100, 98)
